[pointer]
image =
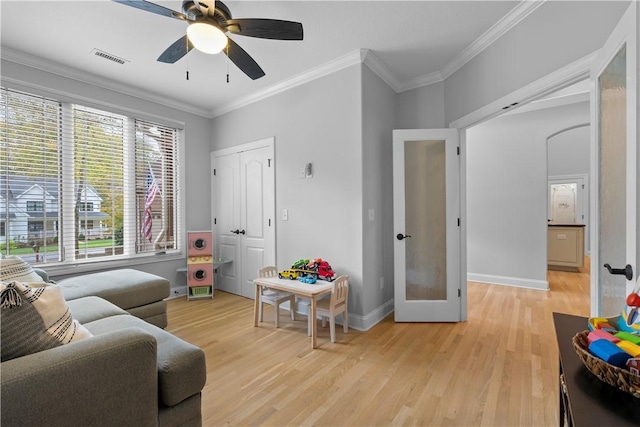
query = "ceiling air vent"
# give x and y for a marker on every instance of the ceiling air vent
(110, 57)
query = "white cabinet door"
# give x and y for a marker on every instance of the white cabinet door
(243, 208)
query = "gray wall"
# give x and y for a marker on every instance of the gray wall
(197, 136)
(553, 36)
(378, 102)
(569, 151)
(318, 122)
(507, 194)
(421, 108)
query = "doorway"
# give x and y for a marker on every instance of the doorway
(508, 167)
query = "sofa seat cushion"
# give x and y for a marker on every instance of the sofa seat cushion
(34, 319)
(88, 309)
(181, 366)
(126, 288)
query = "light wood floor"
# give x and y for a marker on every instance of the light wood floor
(499, 368)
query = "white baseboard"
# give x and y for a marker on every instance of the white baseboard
(541, 285)
(357, 322)
(177, 292)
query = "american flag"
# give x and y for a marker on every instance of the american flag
(152, 192)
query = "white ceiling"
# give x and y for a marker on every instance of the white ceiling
(412, 42)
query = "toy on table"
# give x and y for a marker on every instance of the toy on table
(317, 268)
(308, 278)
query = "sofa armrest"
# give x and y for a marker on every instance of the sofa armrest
(105, 380)
(40, 272)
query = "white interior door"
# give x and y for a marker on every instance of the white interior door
(615, 115)
(257, 209)
(426, 225)
(243, 208)
(225, 186)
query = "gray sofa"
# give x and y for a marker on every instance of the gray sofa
(130, 373)
(140, 294)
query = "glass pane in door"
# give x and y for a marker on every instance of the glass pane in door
(612, 139)
(425, 220)
(563, 203)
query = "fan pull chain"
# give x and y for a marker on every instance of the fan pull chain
(228, 62)
(187, 61)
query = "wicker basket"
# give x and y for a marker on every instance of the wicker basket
(612, 375)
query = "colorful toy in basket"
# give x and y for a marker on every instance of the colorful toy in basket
(630, 319)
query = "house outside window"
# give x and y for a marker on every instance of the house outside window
(74, 171)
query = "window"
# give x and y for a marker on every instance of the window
(85, 206)
(86, 224)
(36, 226)
(97, 183)
(33, 206)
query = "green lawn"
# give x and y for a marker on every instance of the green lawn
(102, 243)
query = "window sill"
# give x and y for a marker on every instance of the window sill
(90, 267)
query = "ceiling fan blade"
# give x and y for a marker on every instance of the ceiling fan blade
(153, 8)
(266, 28)
(177, 50)
(241, 58)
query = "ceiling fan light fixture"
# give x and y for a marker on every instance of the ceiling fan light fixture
(206, 37)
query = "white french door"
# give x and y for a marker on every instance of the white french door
(243, 209)
(426, 206)
(614, 147)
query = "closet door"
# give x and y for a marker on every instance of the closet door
(243, 209)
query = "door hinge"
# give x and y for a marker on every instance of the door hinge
(458, 222)
(268, 163)
(459, 293)
(458, 149)
(214, 172)
(215, 221)
(583, 186)
(269, 222)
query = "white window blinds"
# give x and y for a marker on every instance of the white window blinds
(78, 184)
(30, 172)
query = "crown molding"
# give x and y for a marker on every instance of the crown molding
(81, 76)
(510, 20)
(352, 58)
(377, 66)
(420, 81)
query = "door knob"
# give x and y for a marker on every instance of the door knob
(401, 236)
(241, 232)
(236, 231)
(627, 271)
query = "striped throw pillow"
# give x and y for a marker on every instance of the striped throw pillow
(15, 269)
(34, 319)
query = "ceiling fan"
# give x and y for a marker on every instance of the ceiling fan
(208, 21)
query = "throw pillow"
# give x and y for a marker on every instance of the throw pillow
(15, 269)
(34, 319)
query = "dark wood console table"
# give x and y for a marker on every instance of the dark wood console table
(584, 399)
